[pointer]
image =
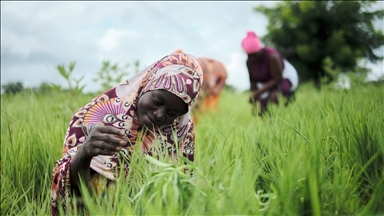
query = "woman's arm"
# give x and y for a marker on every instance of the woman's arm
(75, 163)
(276, 69)
(253, 86)
(103, 140)
(187, 146)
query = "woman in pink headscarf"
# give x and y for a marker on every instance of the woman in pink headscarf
(269, 72)
(154, 103)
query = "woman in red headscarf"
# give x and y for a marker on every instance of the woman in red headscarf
(269, 72)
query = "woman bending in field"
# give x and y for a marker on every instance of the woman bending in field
(215, 75)
(155, 101)
(269, 73)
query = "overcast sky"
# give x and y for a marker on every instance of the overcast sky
(37, 36)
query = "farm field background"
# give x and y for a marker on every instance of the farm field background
(323, 154)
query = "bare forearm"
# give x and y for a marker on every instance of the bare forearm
(253, 86)
(80, 168)
(269, 85)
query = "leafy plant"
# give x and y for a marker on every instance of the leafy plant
(73, 83)
(110, 74)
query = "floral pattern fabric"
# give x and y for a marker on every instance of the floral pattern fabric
(178, 73)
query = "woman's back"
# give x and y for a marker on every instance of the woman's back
(259, 68)
(215, 75)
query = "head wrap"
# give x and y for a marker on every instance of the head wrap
(178, 51)
(251, 43)
(179, 75)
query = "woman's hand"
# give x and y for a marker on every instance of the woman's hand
(255, 94)
(103, 140)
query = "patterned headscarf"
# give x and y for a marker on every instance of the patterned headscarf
(178, 73)
(183, 80)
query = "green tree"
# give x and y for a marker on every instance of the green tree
(12, 88)
(308, 32)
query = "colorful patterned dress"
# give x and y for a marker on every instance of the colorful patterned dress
(179, 74)
(215, 76)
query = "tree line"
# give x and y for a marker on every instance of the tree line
(320, 38)
(315, 34)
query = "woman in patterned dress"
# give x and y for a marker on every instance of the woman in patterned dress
(155, 102)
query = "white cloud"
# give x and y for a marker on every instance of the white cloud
(27, 74)
(114, 37)
(21, 45)
(60, 10)
(377, 70)
(123, 32)
(207, 31)
(237, 71)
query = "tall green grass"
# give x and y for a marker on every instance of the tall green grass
(322, 155)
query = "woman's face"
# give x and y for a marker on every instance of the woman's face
(158, 108)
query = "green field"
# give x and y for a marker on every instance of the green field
(321, 155)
